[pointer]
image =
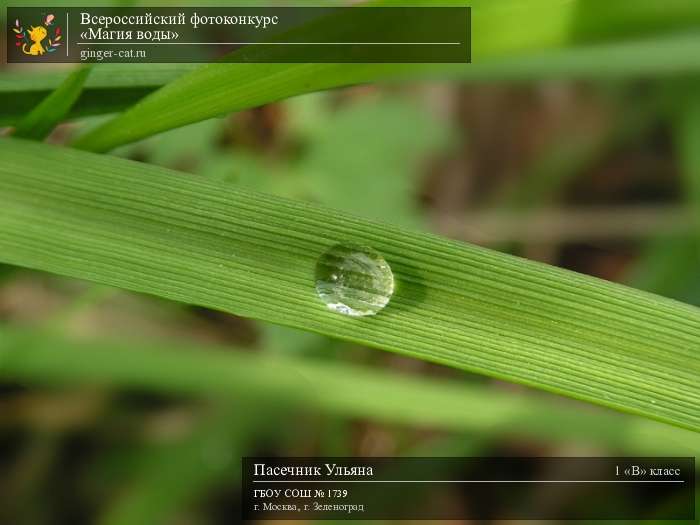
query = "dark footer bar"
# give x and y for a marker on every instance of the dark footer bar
(469, 488)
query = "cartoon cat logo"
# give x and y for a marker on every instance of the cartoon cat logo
(36, 35)
(31, 40)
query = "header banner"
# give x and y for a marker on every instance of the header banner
(247, 35)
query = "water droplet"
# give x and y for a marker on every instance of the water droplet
(354, 280)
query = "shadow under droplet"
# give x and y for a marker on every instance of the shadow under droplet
(410, 290)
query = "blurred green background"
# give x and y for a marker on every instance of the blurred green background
(601, 177)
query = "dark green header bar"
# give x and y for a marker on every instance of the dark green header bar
(212, 34)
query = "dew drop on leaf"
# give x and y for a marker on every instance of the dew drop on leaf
(354, 280)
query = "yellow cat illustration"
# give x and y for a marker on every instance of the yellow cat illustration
(36, 35)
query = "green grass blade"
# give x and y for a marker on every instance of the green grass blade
(158, 231)
(108, 88)
(500, 29)
(669, 265)
(334, 388)
(53, 109)
(173, 475)
(666, 265)
(115, 87)
(689, 148)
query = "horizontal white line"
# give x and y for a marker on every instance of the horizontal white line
(475, 481)
(272, 43)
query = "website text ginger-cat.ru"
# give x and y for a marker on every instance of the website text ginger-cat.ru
(106, 54)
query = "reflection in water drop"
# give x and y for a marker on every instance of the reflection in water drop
(354, 280)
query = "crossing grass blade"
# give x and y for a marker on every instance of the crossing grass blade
(38, 123)
(502, 29)
(114, 87)
(108, 88)
(166, 233)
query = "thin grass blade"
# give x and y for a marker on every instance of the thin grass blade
(530, 27)
(53, 109)
(333, 388)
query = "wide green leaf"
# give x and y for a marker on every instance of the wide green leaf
(166, 233)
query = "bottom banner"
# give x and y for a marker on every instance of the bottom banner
(444, 488)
